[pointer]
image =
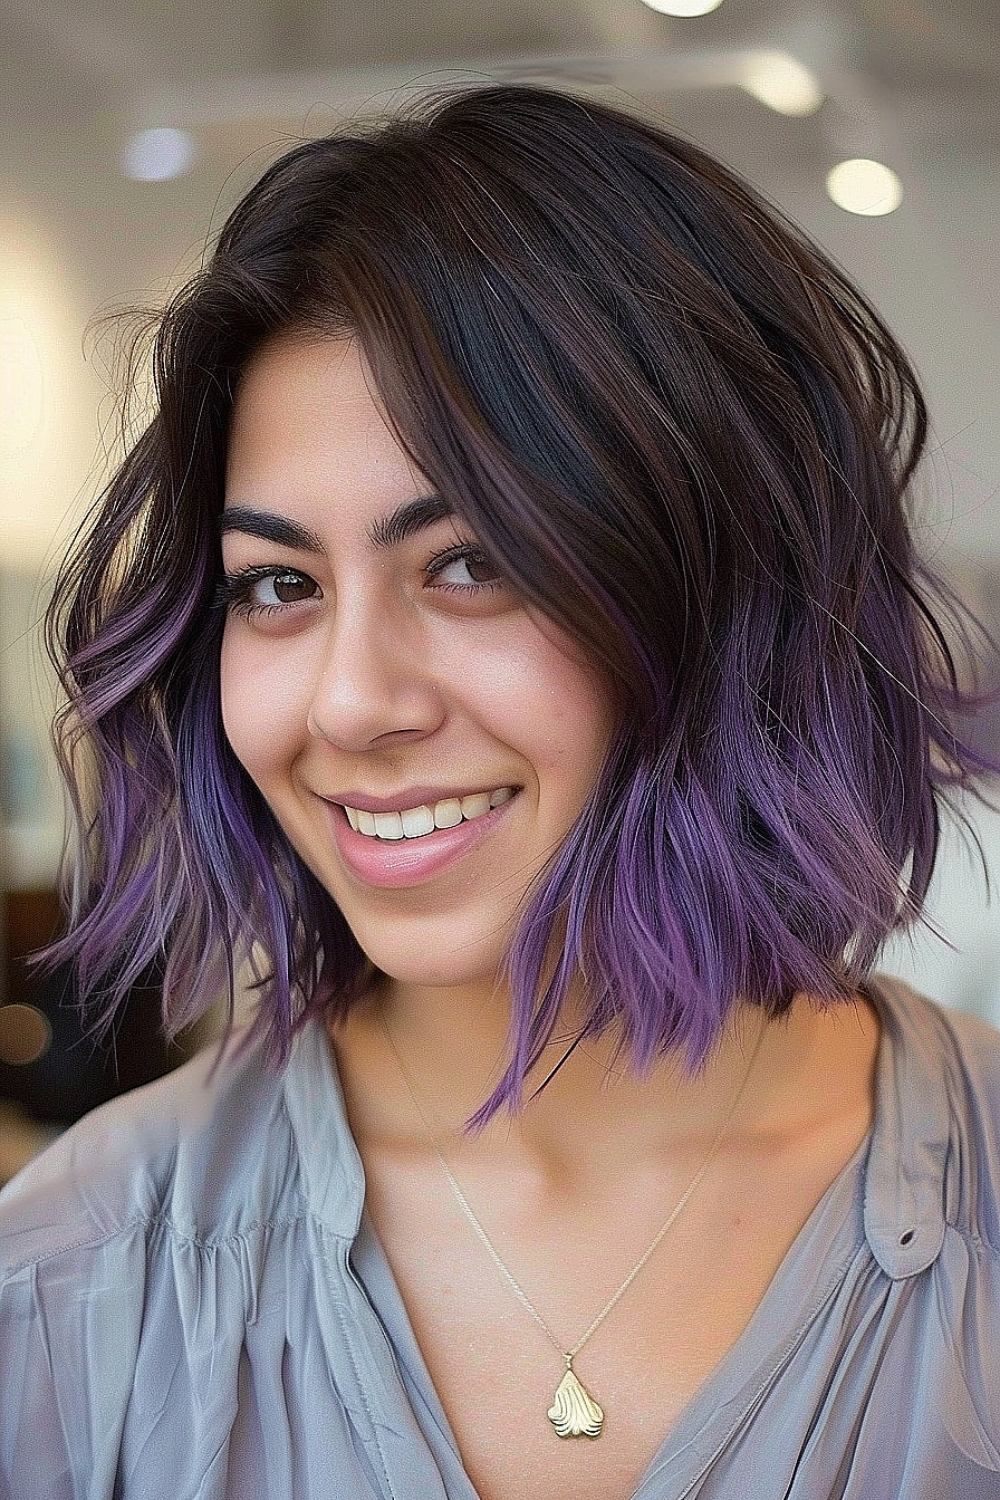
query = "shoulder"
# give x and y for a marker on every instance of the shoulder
(963, 1048)
(942, 1092)
(207, 1151)
(144, 1246)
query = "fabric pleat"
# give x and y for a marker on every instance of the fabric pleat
(194, 1306)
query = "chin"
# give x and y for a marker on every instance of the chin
(425, 964)
(433, 973)
(443, 951)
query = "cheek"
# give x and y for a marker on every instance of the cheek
(258, 709)
(552, 708)
(581, 733)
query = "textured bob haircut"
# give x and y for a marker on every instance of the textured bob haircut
(683, 436)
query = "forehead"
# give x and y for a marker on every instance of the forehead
(307, 422)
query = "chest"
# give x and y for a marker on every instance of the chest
(495, 1369)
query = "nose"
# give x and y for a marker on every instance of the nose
(374, 678)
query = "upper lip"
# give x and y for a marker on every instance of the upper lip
(415, 796)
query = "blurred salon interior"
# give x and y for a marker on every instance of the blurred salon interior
(128, 126)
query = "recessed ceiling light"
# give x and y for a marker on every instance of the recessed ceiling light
(863, 186)
(782, 83)
(157, 155)
(683, 7)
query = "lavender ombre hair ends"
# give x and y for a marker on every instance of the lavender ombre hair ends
(683, 436)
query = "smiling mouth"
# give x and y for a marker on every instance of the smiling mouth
(417, 822)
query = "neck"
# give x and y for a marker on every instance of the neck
(424, 1060)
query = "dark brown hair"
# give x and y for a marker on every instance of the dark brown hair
(682, 434)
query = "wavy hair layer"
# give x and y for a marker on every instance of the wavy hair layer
(685, 437)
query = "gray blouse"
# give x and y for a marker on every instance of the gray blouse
(193, 1305)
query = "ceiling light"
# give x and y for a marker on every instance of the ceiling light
(863, 186)
(782, 83)
(157, 155)
(683, 7)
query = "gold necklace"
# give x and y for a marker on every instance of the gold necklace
(574, 1412)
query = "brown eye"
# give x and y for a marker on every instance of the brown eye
(465, 568)
(479, 568)
(290, 587)
(256, 592)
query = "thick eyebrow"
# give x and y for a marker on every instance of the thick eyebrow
(389, 531)
(407, 519)
(270, 528)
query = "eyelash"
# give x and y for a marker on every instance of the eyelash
(462, 552)
(233, 593)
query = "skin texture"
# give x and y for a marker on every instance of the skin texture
(382, 679)
(368, 676)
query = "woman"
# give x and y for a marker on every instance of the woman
(505, 644)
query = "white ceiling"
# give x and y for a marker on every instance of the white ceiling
(95, 53)
(95, 48)
(916, 82)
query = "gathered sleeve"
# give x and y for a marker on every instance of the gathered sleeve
(62, 1320)
(121, 1367)
(966, 1309)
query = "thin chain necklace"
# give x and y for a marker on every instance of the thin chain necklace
(574, 1412)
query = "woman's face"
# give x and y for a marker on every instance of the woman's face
(379, 680)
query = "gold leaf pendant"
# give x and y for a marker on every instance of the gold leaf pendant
(574, 1412)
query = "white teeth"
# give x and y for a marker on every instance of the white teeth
(448, 813)
(415, 822)
(389, 825)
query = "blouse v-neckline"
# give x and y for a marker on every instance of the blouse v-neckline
(853, 1220)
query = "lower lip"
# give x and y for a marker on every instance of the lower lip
(396, 863)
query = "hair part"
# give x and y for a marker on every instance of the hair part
(684, 436)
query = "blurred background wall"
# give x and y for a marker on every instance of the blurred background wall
(129, 127)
